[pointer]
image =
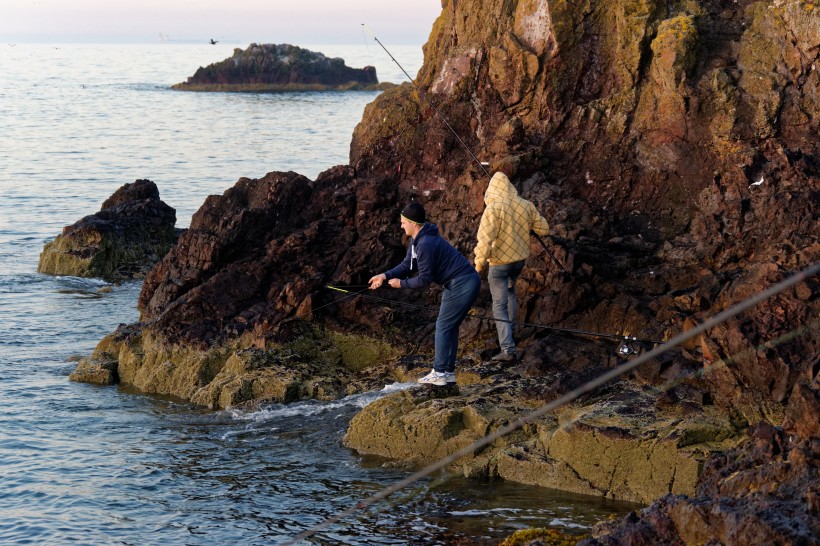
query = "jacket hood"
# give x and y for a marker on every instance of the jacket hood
(500, 187)
(426, 229)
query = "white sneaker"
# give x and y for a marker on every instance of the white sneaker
(435, 378)
(450, 377)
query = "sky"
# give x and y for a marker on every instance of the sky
(229, 21)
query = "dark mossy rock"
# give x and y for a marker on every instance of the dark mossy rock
(283, 67)
(132, 231)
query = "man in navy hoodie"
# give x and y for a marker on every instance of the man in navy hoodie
(436, 261)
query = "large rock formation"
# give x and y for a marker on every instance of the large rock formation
(130, 233)
(283, 67)
(672, 145)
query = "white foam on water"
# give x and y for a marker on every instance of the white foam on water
(563, 522)
(81, 281)
(309, 408)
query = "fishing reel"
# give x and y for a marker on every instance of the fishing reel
(627, 348)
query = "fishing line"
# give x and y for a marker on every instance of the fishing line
(721, 363)
(425, 97)
(512, 322)
(348, 296)
(565, 399)
(769, 344)
(364, 39)
(455, 134)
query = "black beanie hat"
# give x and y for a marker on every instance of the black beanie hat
(414, 212)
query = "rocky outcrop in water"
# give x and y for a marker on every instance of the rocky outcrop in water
(672, 146)
(132, 231)
(218, 312)
(283, 67)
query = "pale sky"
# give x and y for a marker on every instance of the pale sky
(230, 21)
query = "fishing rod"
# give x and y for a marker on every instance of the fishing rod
(348, 296)
(455, 134)
(554, 259)
(512, 322)
(433, 106)
(376, 298)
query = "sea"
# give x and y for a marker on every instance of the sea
(82, 464)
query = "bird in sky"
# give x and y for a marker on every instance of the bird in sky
(214, 41)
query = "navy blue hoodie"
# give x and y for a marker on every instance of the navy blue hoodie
(435, 259)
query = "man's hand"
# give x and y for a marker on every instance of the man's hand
(395, 283)
(377, 280)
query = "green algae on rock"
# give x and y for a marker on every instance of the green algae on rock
(312, 365)
(620, 447)
(541, 537)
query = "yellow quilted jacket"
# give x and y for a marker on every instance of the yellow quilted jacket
(504, 231)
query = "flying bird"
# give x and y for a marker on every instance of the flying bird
(214, 41)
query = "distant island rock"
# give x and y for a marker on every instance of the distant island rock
(283, 67)
(132, 231)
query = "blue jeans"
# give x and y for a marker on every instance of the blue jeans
(457, 296)
(501, 279)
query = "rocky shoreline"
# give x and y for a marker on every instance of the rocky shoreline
(673, 149)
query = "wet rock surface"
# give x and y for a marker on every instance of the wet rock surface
(132, 231)
(763, 492)
(282, 67)
(616, 442)
(672, 147)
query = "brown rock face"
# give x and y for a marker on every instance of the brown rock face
(672, 145)
(264, 250)
(129, 234)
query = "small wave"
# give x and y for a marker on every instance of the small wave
(314, 407)
(563, 522)
(14, 281)
(81, 281)
(474, 512)
(139, 86)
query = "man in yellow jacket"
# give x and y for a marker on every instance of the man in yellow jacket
(504, 242)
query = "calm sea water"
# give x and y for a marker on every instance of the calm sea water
(102, 465)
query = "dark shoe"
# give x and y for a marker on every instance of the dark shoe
(504, 357)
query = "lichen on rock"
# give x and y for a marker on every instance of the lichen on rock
(305, 364)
